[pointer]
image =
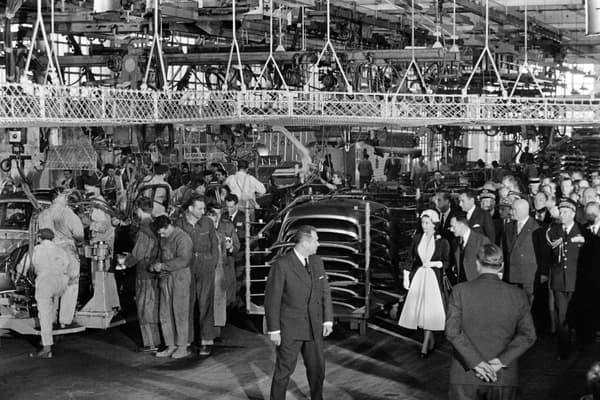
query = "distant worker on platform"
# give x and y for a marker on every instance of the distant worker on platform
(51, 265)
(245, 187)
(365, 171)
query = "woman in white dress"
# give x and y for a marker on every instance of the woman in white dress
(424, 306)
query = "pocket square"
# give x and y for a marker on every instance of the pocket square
(476, 226)
(323, 277)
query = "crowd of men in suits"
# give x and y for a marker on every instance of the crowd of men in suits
(549, 234)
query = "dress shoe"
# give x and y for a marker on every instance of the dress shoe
(423, 355)
(41, 354)
(181, 352)
(204, 350)
(168, 352)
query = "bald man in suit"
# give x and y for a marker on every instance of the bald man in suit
(299, 313)
(489, 326)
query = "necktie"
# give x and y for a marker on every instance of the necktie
(307, 265)
(461, 242)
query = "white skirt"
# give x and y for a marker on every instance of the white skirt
(424, 307)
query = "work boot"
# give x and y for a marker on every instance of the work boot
(168, 352)
(204, 350)
(46, 352)
(181, 352)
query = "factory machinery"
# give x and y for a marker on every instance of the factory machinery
(359, 240)
(18, 311)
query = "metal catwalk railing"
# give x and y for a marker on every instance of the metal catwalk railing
(36, 105)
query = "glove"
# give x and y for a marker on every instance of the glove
(406, 279)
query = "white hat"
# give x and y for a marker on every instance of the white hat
(432, 214)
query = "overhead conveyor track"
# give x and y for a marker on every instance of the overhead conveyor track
(46, 106)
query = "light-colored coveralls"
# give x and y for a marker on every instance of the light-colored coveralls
(144, 254)
(246, 187)
(68, 229)
(205, 255)
(50, 263)
(174, 309)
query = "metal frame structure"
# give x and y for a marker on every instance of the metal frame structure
(49, 106)
(360, 317)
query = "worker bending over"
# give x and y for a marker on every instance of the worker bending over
(50, 263)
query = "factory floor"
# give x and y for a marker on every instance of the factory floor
(104, 365)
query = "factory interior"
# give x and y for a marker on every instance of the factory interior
(130, 129)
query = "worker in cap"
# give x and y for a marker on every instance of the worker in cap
(487, 201)
(51, 265)
(534, 186)
(566, 239)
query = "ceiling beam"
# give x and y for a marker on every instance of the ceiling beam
(513, 18)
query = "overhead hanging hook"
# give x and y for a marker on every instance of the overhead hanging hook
(234, 47)
(484, 52)
(526, 66)
(53, 65)
(271, 58)
(330, 45)
(156, 44)
(413, 61)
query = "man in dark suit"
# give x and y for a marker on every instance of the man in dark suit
(566, 240)
(587, 292)
(299, 313)
(489, 326)
(238, 218)
(521, 265)
(465, 254)
(479, 220)
(443, 203)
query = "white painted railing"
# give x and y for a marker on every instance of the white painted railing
(36, 105)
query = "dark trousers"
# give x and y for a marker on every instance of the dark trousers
(482, 392)
(287, 356)
(528, 288)
(562, 300)
(202, 295)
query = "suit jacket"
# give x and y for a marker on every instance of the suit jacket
(296, 302)
(480, 330)
(521, 263)
(444, 228)
(481, 222)
(239, 221)
(465, 258)
(565, 263)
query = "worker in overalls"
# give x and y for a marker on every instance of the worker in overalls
(68, 230)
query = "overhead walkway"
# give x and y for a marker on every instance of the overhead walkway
(46, 106)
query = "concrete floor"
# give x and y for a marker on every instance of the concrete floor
(104, 365)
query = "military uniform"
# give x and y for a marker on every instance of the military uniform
(566, 244)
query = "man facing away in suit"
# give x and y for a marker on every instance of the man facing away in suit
(521, 264)
(479, 220)
(489, 326)
(465, 253)
(299, 313)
